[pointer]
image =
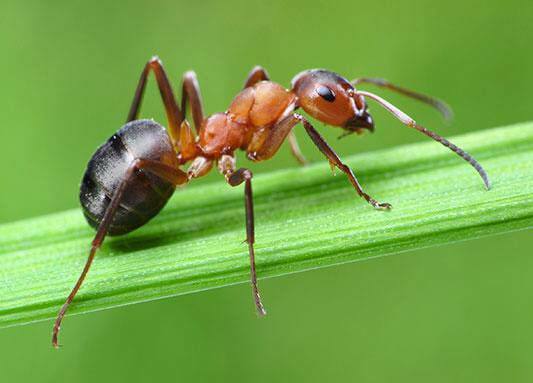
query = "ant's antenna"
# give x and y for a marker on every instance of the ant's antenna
(440, 105)
(406, 120)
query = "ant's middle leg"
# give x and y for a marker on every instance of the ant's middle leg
(174, 114)
(257, 74)
(199, 167)
(236, 177)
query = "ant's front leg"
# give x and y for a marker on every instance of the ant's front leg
(235, 177)
(334, 160)
(279, 132)
(257, 74)
(265, 144)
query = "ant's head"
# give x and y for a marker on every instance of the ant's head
(331, 99)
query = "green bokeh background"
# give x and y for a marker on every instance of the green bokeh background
(458, 313)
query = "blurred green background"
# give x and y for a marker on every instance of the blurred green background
(458, 313)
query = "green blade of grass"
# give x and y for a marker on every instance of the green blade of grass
(305, 219)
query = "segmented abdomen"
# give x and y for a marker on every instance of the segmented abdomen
(145, 194)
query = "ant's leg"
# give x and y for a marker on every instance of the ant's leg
(235, 178)
(174, 114)
(334, 160)
(257, 74)
(441, 106)
(187, 149)
(166, 172)
(199, 167)
(262, 148)
(281, 130)
(191, 91)
(295, 149)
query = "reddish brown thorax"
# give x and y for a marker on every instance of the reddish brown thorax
(255, 112)
(249, 118)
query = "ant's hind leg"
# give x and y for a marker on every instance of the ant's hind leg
(191, 92)
(235, 178)
(174, 114)
(173, 175)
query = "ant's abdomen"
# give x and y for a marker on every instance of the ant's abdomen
(145, 195)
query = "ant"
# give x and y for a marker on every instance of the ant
(131, 176)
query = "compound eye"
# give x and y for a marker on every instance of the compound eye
(326, 93)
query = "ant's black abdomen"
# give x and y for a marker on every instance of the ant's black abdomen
(146, 194)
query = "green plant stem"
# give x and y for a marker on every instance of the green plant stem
(305, 219)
